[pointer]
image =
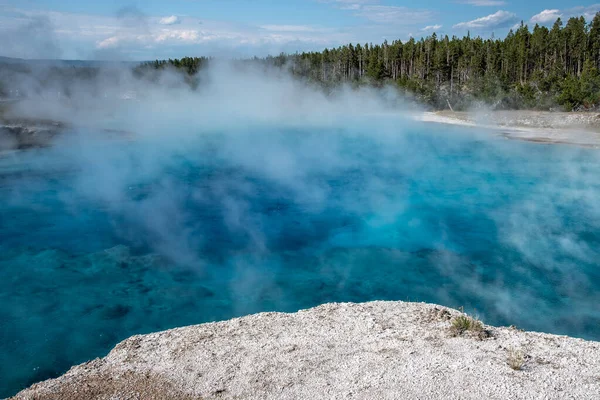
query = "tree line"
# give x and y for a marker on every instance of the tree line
(539, 68)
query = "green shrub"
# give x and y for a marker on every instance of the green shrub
(464, 323)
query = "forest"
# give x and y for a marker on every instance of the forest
(540, 68)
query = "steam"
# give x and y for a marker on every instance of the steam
(132, 23)
(131, 138)
(124, 130)
(34, 39)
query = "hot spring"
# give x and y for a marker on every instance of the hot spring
(103, 238)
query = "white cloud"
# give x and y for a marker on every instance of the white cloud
(191, 36)
(587, 11)
(431, 28)
(546, 16)
(483, 3)
(500, 19)
(227, 38)
(85, 36)
(172, 20)
(108, 43)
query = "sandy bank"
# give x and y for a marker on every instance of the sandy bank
(379, 350)
(581, 128)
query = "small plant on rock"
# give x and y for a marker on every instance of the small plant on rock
(464, 323)
(516, 359)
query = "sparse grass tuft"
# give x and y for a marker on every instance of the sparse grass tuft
(464, 323)
(516, 359)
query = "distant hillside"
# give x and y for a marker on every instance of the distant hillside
(24, 78)
(67, 63)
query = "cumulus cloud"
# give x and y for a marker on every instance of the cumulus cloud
(171, 20)
(129, 34)
(181, 35)
(165, 35)
(587, 11)
(546, 16)
(500, 19)
(549, 16)
(431, 28)
(108, 43)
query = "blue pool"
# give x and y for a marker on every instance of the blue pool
(104, 238)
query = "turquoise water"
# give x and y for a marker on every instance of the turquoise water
(102, 239)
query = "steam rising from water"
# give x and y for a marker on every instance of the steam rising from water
(256, 192)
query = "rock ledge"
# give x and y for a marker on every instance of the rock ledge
(378, 350)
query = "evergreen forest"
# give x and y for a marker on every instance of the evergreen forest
(540, 68)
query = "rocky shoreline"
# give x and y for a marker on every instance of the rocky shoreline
(23, 134)
(377, 350)
(589, 121)
(551, 127)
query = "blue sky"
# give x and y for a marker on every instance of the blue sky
(142, 30)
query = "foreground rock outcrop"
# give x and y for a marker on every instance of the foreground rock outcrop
(379, 350)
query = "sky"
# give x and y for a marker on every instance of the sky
(151, 29)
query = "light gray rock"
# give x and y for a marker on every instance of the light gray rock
(575, 128)
(378, 350)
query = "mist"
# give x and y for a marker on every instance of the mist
(256, 191)
(126, 131)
